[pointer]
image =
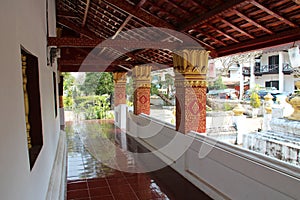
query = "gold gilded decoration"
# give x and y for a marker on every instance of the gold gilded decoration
(191, 83)
(294, 100)
(190, 67)
(26, 101)
(191, 61)
(120, 77)
(238, 110)
(61, 101)
(141, 76)
(120, 87)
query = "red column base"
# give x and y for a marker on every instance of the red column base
(191, 109)
(141, 101)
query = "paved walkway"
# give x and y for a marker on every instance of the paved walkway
(97, 151)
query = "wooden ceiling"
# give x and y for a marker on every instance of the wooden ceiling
(223, 27)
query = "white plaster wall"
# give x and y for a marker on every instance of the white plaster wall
(265, 58)
(286, 58)
(289, 83)
(24, 23)
(268, 77)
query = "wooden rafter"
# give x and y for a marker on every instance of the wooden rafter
(212, 14)
(89, 62)
(273, 13)
(262, 42)
(92, 68)
(122, 26)
(74, 27)
(199, 5)
(85, 12)
(235, 27)
(88, 43)
(253, 22)
(178, 7)
(221, 32)
(162, 11)
(209, 47)
(140, 14)
(211, 37)
(67, 15)
(128, 18)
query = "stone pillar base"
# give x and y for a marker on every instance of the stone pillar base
(120, 116)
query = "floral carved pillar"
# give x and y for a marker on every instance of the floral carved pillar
(190, 66)
(141, 84)
(120, 88)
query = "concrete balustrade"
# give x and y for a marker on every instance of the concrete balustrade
(222, 170)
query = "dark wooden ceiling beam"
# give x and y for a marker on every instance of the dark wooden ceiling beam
(67, 15)
(161, 10)
(74, 27)
(222, 33)
(91, 62)
(128, 18)
(236, 28)
(129, 44)
(273, 13)
(85, 12)
(140, 14)
(93, 68)
(232, 4)
(177, 7)
(199, 5)
(253, 22)
(262, 42)
(122, 26)
(211, 37)
(297, 1)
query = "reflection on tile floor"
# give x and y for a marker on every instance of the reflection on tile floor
(90, 179)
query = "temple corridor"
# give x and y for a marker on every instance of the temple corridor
(89, 178)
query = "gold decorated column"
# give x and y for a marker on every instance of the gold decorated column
(190, 66)
(26, 101)
(61, 91)
(120, 88)
(141, 76)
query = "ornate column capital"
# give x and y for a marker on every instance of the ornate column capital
(120, 87)
(141, 76)
(120, 77)
(190, 66)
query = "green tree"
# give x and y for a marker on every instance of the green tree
(153, 89)
(68, 88)
(97, 83)
(105, 84)
(217, 85)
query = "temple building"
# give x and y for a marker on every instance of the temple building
(152, 160)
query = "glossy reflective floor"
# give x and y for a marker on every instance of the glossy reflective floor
(100, 166)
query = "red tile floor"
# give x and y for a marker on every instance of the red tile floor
(90, 179)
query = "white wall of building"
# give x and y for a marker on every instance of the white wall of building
(24, 23)
(289, 83)
(234, 73)
(266, 77)
(265, 57)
